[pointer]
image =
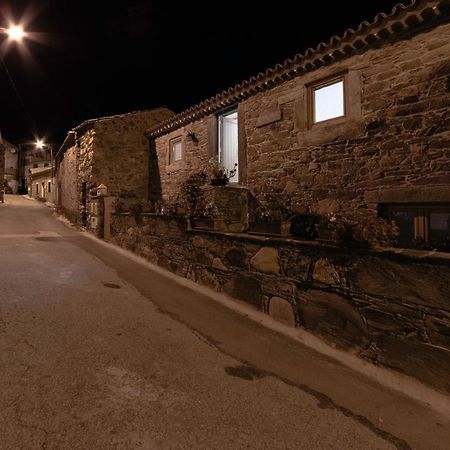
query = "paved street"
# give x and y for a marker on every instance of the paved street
(98, 351)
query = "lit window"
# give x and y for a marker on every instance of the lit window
(228, 151)
(328, 100)
(175, 152)
(422, 226)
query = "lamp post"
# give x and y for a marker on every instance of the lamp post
(15, 33)
(41, 145)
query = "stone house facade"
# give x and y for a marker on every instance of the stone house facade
(112, 151)
(358, 126)
(11, 167)
(2, 168)
(41, 184)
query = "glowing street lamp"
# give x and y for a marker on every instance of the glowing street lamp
(40, 144)
(14, 32)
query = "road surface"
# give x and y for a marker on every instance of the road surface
(98, 351)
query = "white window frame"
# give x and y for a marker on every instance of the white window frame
(313, 87)
(172, 142)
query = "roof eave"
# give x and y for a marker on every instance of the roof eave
(403, 20)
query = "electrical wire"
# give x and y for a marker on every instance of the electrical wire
(19, 97)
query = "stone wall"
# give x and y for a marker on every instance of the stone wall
(167, 178)
(66, 180)
(121, 155)
(2, 169)
(393, 143)
(112, 151)
(390, 308)
(11, 163)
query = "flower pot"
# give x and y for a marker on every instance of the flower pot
(219, 181)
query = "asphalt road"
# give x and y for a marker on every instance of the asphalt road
(98, 351)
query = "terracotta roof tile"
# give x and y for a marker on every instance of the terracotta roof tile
(384, 28)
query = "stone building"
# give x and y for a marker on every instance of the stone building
(359, 126)
(2, 168)
(112, 151)
(41, 184)
(11, 167)
(32, 157)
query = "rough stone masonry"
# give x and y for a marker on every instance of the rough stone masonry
(392, 145)
(390, 308)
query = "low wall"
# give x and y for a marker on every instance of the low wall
(392, 309)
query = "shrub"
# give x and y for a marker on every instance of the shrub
(376, 232)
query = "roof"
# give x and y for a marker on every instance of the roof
(36, 172)
(69, 141)
(401, 21)
(90, 122)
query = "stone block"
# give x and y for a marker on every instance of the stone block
(236, 257)
(208, 279)
(328, 206)
(296, 266)
(438, 329)
(324, 272)
(199, 242)
(245, 288)
(266, 261)
(333, 317)
(420, 283)
(218, 264)
(281, 310)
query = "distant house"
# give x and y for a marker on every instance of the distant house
(2, 169)
(31, 157)
(112, 151)
(358, 126)
(41, 184)
(11, 167)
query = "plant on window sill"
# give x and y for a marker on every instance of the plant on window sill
(218, 174)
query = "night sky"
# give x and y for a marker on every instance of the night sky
(96, 58)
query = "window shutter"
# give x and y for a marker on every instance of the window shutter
(212, 136)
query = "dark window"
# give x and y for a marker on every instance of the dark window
(422, 226)
(46, 164)
(35, 166)
(49, 186)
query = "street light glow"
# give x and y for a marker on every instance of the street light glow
(16, 32)
(39, 144)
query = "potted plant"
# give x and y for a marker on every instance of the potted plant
(272, 213)
(375, 232)
(218, 174)
(206, 217)
(263, 221)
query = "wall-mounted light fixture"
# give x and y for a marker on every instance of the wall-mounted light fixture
(193, 136)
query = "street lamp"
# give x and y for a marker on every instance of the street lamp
(41, 144)
(14, 32)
